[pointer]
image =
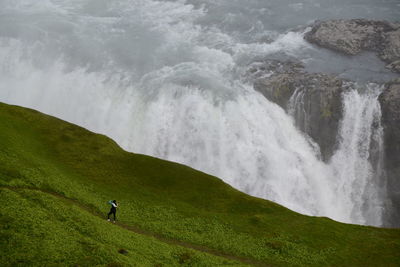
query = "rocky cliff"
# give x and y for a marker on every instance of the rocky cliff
(313, 99)
(390, 103)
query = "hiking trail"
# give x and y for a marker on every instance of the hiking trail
(141, 231)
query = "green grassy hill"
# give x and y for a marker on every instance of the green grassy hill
(56, 179)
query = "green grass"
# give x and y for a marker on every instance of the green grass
(157, 196)
(41, 230)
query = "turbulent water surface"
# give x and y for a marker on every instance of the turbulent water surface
(167, 78)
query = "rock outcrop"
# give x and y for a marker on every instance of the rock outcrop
(356, 35)
(315, 102)
(390, 105)
(313, 99)
(391, 51)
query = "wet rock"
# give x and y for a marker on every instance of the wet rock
(274, 79)
(349, 36)
(391, 51)
(356, 35)
(394, 66)
(390, 105)
(273, 66)
(313, 99)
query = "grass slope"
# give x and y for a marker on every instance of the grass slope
(42, 230)
(160, 197)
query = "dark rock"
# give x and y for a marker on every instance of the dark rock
(269, 67)
(356, 35)
(394, 66)
(314, 99)
(390, 105)
(123, 251)
(391, 51)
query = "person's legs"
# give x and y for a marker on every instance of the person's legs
(112, 211)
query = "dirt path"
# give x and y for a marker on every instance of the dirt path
(144, 232)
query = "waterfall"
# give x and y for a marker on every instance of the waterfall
(163, 78)
(357, 165)
(358, 186)
(297, 110)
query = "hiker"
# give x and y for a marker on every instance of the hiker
(113, 209)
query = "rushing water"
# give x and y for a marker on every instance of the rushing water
(163, 78)
(359, 183)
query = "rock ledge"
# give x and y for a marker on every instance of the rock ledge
(353, 36)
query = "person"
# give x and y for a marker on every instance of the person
(113, 209)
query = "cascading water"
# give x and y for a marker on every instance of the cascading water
(359, 184)
(163, 78)
(357, 165)
(297, 110)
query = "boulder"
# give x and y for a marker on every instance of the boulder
(356, 35)
(313, 99)
(390, 105)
